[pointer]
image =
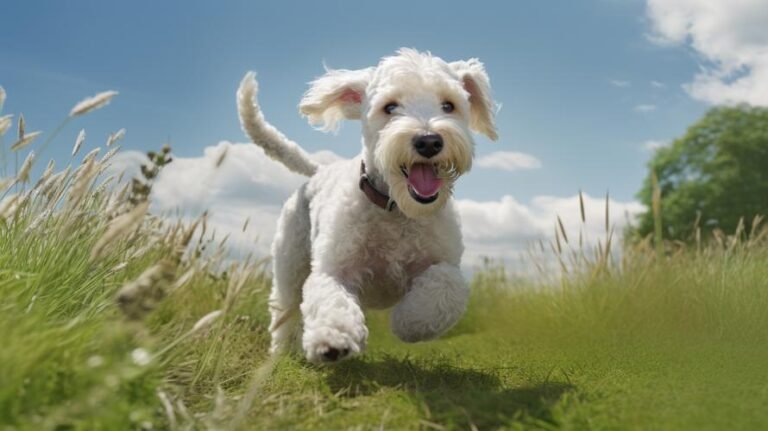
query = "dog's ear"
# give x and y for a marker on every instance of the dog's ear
(476, 83)
(335, 96)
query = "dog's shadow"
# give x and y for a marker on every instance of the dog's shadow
(449, 395)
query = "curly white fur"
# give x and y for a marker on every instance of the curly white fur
(335, 252)
(265, 135)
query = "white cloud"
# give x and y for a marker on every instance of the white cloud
(731, 38)
(620, 83)
(505, 229)
(247, 184)
(652, 145)
(250, 185)
(645, 108)
(657, 84)
(508, 161)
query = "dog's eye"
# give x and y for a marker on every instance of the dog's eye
(389, 108)
(448, 107)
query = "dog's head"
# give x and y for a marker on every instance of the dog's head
(417, 112)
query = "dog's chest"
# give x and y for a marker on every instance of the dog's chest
(387, 256)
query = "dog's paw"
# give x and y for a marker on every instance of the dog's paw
(326, 345)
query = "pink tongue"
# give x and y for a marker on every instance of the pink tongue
(423, 180)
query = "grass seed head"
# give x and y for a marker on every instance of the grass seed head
(25, 141)
(78, 142)
(206, 320)
(2, 97)
(8, 206)
(21, 127)
(26, 167)
(92, 103)
(118, 227)
(46, 174)
(5, 123)
(139, 297)
(82, 181)
(5, 183)
(114, 137)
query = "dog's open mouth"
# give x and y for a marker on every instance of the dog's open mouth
(423, 182)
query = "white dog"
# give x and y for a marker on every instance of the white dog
(379, 230)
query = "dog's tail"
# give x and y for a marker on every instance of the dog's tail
(265, 135)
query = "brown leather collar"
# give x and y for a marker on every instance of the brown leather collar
(378, 198)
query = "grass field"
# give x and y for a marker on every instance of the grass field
(670, 340)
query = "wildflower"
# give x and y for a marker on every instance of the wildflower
(140, 357)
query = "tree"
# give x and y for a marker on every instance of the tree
(717, 173)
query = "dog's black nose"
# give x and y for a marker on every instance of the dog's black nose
(428, 145)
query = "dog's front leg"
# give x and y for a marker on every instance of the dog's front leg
(435, 302)
(334, 324)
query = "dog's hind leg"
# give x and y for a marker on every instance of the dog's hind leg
(435, 302)
(291, 266)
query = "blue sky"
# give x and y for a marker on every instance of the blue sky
(584, 85)
(177, 65)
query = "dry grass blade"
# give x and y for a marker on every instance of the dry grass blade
(186, 238)
(656, 207)
(46, 174)
(92, 103)
(245, 225)
(581, 207)
(2, 97)
(755, 225)
(222, 157)
(258, 379)
(5, 123)
(21, 127)
(562, 229)
(168, 407)
(739, 228)
(607, 213)
(26, 140)
(184, 279)
(78, 142)
(82, 181)
(118, 228)
(26, 167)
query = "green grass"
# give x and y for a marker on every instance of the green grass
(669, 339)
(678, 344)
